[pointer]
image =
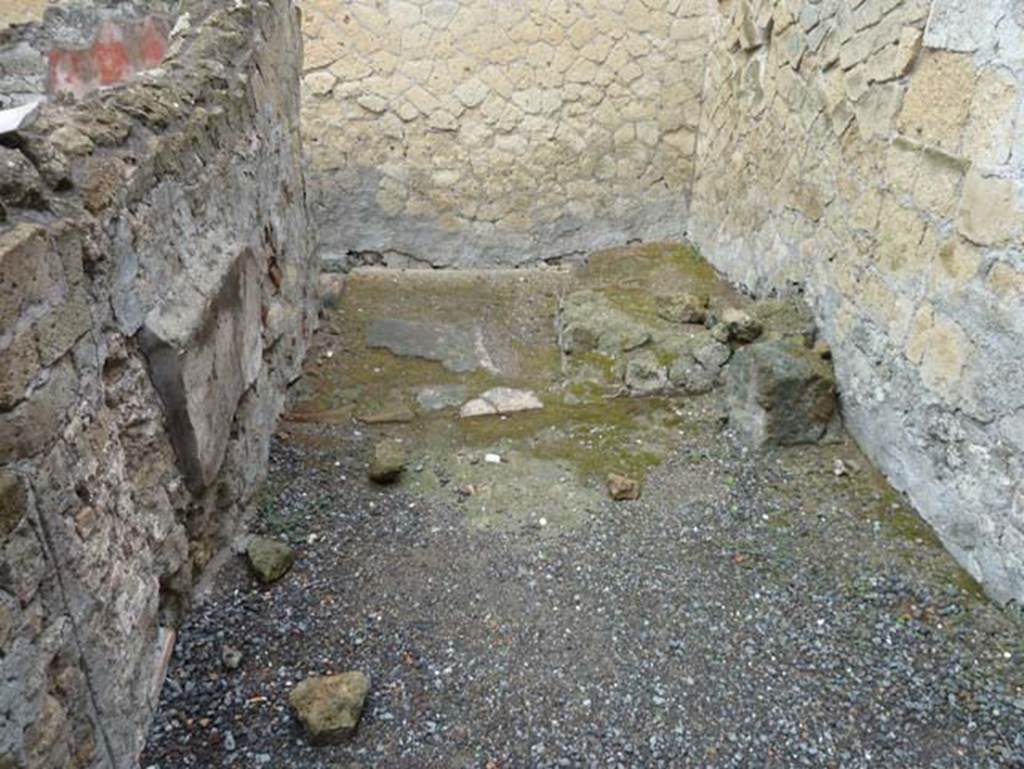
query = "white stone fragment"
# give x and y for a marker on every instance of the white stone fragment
(501, 400)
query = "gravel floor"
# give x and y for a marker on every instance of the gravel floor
(745, 612)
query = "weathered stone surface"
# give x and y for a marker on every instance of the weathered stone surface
(989, 209)
(330, 707)
(204, 351)
(23, 275)
(693, 377)
(938, 102)
(20, 183)
(988, 138)
(34, 424)
(457, 349)
(780, 395)
(270, 560)
(19, 365)
(13, 503)
(388, 462)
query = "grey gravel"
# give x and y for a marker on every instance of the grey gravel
(748, 611)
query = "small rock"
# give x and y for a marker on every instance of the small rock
(621, 487)
(269, 559)
(645, 374)
(330, 707)
(501, 400)
(737, 326)
(685, 308)
(839, 468)
(231, 657)
(388, 462)
(229, 742)
(492, 459)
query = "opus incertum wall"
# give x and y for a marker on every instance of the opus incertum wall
(487, 132)
(871, 153)
(865, 152)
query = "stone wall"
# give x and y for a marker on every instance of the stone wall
(869, 154)
(157, 290)
(489, 132)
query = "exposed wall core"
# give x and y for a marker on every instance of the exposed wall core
(482, 132)
(76, 46)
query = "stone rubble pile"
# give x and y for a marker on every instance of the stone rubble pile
(781, 389)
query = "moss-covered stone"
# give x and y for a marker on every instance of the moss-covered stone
(780, 394)
(388, 462)
(270, 559)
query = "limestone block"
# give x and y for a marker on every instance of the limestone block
(959, 262)
(877, 110)
(204, 350)
(894, 60)
(938, 102)
(989, 135)
(990, 211)
(750, 32)
(65, 324)
(21, 11)
(20, 183)
(962, 25)
(1006, 282)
